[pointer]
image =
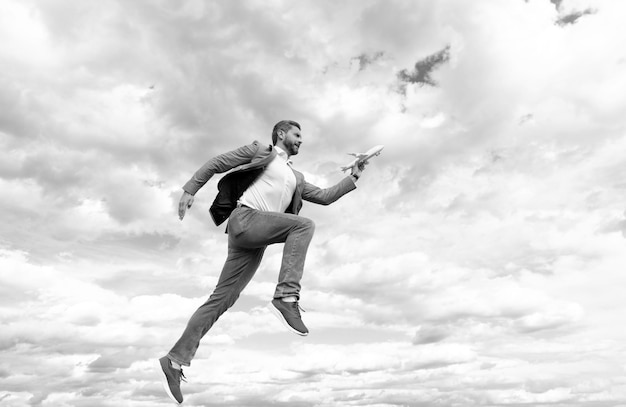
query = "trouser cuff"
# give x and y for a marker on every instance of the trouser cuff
(173, 358)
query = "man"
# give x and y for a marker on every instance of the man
(261, 197)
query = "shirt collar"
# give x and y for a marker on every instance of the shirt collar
(282, 154)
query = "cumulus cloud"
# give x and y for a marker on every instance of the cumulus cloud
(479, 261)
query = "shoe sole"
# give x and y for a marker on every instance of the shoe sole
(166, 386)
(282, 319)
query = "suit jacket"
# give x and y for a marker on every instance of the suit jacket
(246, 164)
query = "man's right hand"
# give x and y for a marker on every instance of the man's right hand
(185, 203)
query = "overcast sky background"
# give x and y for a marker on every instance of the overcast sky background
(480, 261)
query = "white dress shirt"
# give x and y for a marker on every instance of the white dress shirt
(273, 190)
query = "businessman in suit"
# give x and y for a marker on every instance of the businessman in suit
(261, 197)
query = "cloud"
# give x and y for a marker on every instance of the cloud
(481, 255)
(568, 14)
(430, 334)
(366, 60)
(423, 69)
(573, 17)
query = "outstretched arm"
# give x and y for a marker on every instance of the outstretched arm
(326, 196)
(219, 164)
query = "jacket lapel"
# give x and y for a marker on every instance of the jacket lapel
(296, 200)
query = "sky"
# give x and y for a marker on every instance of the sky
(480, 261)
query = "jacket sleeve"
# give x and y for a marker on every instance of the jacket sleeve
(219, 164)
(329, 195)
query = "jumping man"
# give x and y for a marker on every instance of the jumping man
(261, 197)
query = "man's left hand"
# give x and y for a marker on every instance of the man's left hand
(358, 169)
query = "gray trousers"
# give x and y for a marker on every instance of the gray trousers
(249, 233)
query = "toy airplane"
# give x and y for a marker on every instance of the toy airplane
(363, 157)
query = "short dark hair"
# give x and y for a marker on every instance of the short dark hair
(284, 125)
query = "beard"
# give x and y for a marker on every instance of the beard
(292, 148)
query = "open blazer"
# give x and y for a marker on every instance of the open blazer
(247, 163)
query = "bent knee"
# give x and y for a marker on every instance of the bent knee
(308, 224)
